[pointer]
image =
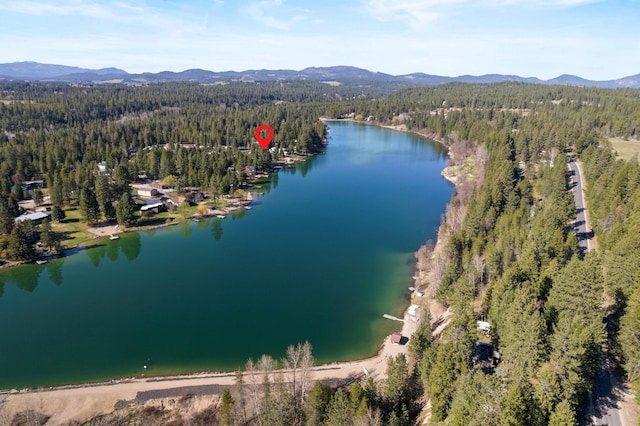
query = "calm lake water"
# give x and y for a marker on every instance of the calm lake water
(321, 256)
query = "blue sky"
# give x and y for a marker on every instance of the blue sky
(543, 38)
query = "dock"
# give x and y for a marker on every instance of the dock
(391, 317)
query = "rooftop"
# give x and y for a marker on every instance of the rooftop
(31, 216)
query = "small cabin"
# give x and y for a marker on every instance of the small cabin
(396, 338)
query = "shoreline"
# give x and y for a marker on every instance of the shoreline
(85, 400)
(108, 229)
(399, 127)
(445, 173)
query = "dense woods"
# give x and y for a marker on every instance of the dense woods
(511, 256)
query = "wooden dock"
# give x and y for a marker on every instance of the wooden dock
(391, 317)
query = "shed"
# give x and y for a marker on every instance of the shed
(396, 338)
(147, 192)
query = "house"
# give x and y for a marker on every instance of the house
(36, 217)
(173, 202)
(147, 192)
(197, 196)
(396, 338)
(152, 207)
(156, 184)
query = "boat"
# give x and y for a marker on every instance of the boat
(220, 216)
(41, 262)
(247, 207)
(195, 219)
(114, 237)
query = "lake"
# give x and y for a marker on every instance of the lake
(320, 257)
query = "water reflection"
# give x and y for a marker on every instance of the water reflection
(96, 253)
(131, 246)
(216, 229)
(112, 250)
(239, 214)
(26, 278)
(55, 271)
(185, 229)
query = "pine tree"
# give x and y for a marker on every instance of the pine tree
(6, 220)
(126, 210)
(89, 206)
(225, 409)
(20, 245)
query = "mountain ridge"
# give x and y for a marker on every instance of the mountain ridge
(35, 71)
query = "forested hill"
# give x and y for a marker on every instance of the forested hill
(511, 256)
(345, 74)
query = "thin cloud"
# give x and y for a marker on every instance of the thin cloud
(260, 11)
(120, 11)
(419, 13)
(416, 12)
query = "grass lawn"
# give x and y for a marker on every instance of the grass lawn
(625, 148)
(73, 230)
(164, 218)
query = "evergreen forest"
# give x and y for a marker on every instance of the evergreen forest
(558, 314)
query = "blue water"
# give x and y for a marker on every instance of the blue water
(320, 257)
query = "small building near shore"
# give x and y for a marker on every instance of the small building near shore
(396, 338)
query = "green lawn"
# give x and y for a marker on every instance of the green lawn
(73, 229)
(625, 148)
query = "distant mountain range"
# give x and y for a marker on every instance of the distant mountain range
(34, 71)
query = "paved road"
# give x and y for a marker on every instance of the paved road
(605, 406)
(580, 224)
(605, 399)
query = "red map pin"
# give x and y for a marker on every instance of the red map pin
(264, 142)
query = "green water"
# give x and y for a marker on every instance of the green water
(320, 257)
